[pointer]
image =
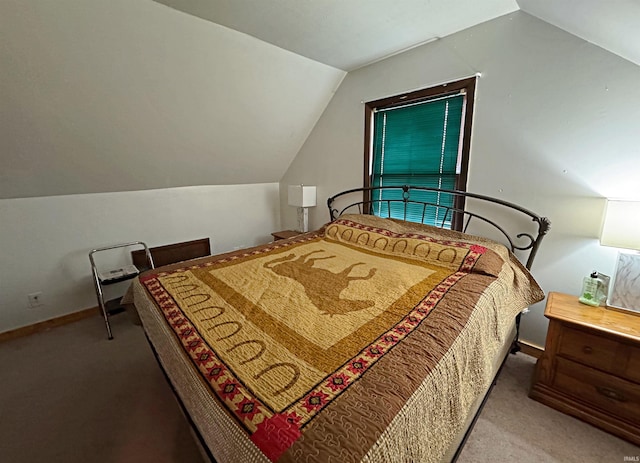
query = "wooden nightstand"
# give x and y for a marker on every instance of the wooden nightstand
(590, 368)
(283, 235)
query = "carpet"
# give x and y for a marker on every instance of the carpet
(69, 395)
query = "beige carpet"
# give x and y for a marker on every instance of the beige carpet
(513, 428)
(69, 395)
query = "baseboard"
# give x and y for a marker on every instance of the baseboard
(48, 324)
(531, 349)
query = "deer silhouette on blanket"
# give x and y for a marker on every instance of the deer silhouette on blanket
(321, 286)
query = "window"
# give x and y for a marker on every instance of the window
(420, 139)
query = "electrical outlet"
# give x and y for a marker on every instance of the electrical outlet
(35, 299)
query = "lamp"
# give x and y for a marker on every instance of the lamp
(621, 229)
(302, 197)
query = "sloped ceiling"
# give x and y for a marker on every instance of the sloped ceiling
(122, 95)
(128, 95)
(613, 25)
(348, 34)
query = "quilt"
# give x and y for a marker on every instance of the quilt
(320, 348)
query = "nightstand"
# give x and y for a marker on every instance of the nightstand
(283, 235)
(590, 368)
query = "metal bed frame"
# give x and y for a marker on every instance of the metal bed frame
(365, 206)
(524, 241)
(459, 217)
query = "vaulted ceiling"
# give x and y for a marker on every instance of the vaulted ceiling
(130, 95)
(348, 34)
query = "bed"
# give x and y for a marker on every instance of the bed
(371, 339)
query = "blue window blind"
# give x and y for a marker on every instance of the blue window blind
(418, 145)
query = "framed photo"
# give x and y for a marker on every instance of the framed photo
(625, 290)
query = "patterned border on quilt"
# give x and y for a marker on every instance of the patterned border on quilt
(275, 432)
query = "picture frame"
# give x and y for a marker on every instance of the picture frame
(625, 289)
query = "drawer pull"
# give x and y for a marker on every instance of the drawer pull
(587, 349)
(611, 394)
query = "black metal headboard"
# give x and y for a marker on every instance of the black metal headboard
(455, 215)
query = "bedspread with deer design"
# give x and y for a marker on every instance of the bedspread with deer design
(313, 346)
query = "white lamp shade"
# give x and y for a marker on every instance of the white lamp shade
(302, 195)
(621, 227)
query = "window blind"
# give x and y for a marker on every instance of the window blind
(418, 145)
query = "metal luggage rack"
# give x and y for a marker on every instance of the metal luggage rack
(124, 273)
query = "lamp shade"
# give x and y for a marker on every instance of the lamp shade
(621, 227)
(302, 195)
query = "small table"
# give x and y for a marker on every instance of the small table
(284, 234)
(590, 367)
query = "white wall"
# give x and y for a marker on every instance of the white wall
(122, 95)
(45, 241)
(555, 129)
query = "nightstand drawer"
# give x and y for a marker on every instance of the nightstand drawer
(632, 371)
(595, 351)
(609, 393)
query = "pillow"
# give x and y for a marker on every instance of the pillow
(443, 248)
